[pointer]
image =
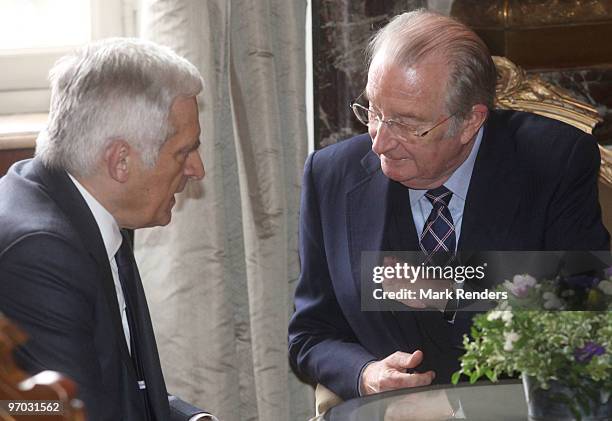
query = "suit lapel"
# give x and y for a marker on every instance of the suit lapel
(401, 232)
(369, 207)
(366, 210)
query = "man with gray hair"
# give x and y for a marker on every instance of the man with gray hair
(121, 141)
(439, 171)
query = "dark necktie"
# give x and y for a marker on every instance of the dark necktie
(438, 237)
(127, 277)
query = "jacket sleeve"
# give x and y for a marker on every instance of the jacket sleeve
(322, 346)
(183, 411)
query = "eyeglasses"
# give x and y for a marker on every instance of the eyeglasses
(373, 119)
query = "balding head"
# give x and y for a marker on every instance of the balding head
(413, 37)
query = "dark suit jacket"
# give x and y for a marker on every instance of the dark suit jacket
(56, 283)
(533, 187)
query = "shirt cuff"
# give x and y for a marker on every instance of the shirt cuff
(203, 416)
(359, 391)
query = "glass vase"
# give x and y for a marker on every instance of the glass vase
(544, 404)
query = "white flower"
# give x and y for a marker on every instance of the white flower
(504, 306)
(507, 316)
(510, 337)
(606, 287)
(520, 285)
(494, 315)
(504, 312)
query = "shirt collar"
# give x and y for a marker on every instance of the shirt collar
(111, 236)
(459, 181)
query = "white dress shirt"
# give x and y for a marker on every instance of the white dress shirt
(111, 236)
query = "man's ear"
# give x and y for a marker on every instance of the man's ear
(117, 160)
(473, 122)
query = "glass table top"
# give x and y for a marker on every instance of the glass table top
(503, 401)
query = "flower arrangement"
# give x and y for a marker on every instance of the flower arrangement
(554, 331)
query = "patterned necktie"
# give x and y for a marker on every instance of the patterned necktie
(438, 237)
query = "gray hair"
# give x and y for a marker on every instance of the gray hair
(118, 88)
(411, 37)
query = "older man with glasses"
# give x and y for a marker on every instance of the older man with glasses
(439, 171)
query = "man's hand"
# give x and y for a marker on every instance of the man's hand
(390, 373)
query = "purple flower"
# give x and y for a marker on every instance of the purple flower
(581, 282)
(588, 351)
(608, 272)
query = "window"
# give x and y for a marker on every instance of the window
(35, 33)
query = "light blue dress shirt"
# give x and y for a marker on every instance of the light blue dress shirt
(458, 183)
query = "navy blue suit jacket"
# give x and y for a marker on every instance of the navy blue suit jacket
(534, 187)
(56, 284)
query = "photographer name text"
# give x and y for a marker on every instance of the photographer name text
(430, 294)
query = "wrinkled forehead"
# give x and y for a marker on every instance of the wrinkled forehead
(389, 78)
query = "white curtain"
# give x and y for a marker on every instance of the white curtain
(220, 278)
